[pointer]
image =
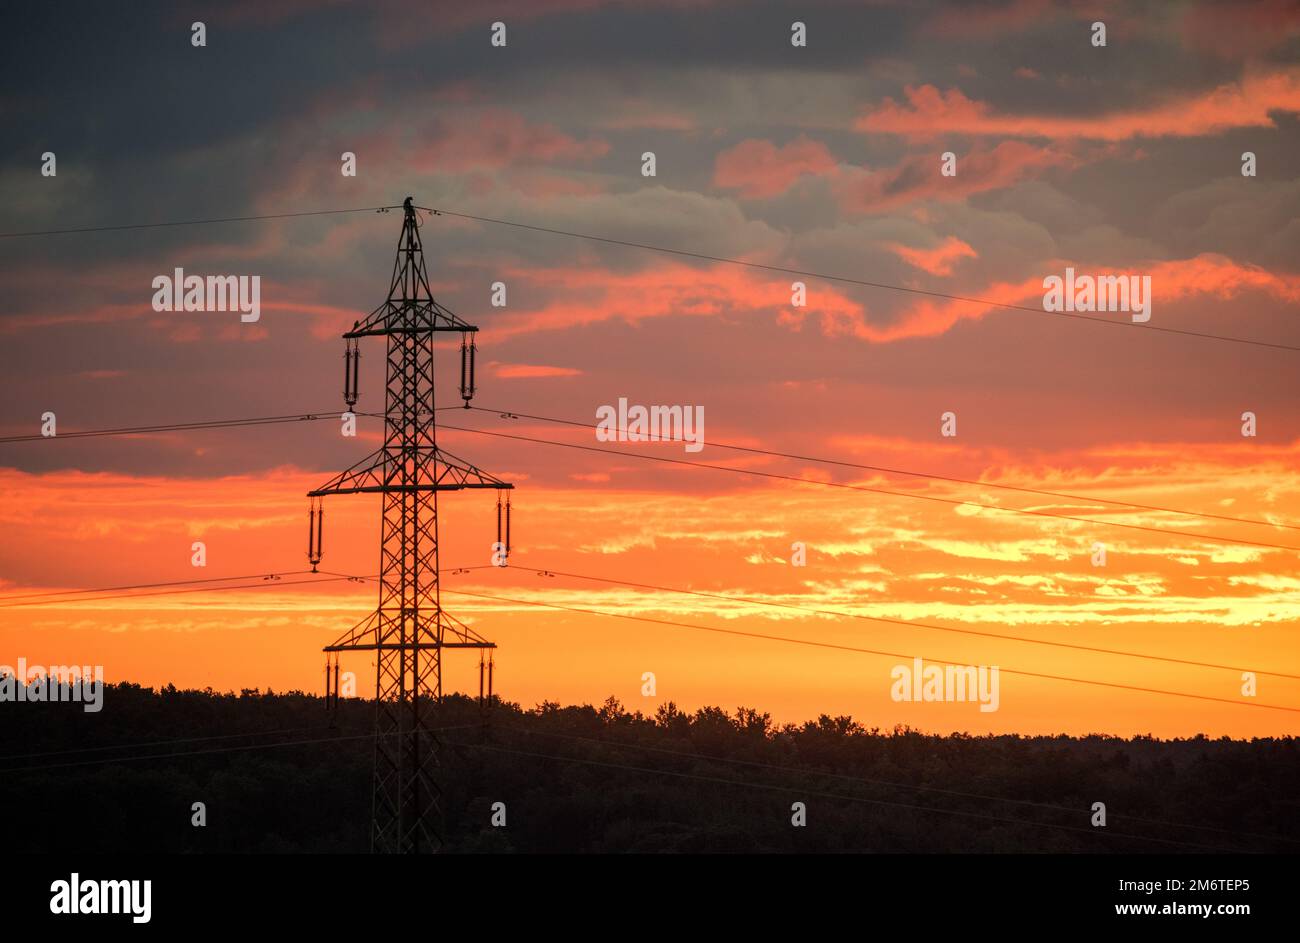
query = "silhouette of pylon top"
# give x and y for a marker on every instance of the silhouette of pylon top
(410, 307)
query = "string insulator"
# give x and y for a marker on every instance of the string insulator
(315, 527)
(351, 364)
(467, 354)
(503, 528)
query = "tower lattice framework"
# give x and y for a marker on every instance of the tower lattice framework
(409, 630)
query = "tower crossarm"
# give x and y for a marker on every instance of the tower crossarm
(441, 472)
(409, 317)
(450, 633)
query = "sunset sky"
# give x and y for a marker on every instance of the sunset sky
(1124, 159)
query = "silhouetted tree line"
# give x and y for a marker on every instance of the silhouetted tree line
(277, 774)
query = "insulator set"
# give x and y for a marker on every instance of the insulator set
(351, 363)
(482, 668)
(331, 682)
(315, 525)
(467, 352)
(503, 537)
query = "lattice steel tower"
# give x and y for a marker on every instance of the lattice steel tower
(409, 630)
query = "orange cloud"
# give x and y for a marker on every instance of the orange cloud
(1243, 104)
(591, 296)
(1206, 274)
(1211, 274)
(518, 371)
(918, 178)
(929, 318)
(594, 295)
(938, 260)
(760, 169)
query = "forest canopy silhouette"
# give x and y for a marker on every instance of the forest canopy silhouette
(280, 773)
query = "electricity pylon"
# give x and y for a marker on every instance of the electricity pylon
(409, 630)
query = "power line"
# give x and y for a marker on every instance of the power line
(898, 494)
(199, 425)
(176, 427)
(913, 474)
(180, 592)
(868, 651)
(267, 580)
(110, 589)
(866, 284)
(903, 622)
(193, 222)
